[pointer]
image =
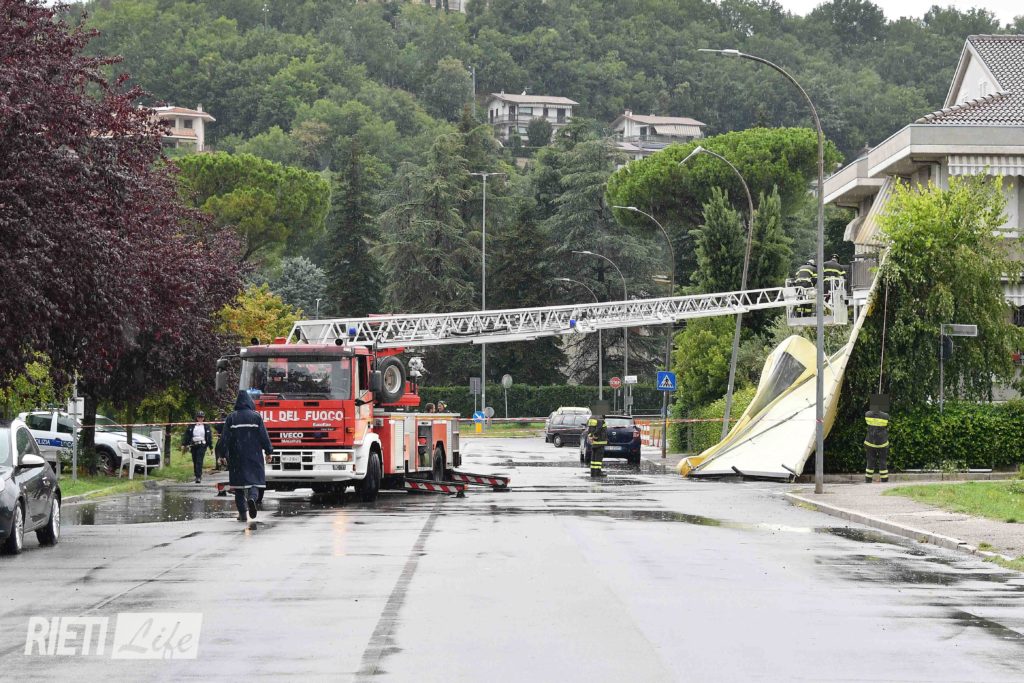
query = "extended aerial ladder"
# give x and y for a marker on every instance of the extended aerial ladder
(524, 324)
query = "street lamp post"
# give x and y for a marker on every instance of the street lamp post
(625, 330)
(600, 350)
(743, 281)
(819, 410)
(483, 286)
(668, 345)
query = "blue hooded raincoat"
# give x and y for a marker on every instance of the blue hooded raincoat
(247, 441)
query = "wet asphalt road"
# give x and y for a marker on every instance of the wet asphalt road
(637, 578)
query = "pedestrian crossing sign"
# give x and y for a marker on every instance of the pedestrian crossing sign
(667, 381)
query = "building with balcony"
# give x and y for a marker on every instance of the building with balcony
(186, 129)
(640, 136)
(510, 114)
(979, 130)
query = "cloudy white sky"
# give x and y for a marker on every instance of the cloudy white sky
(1006, 10)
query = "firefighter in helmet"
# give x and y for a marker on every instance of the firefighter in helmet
(876, 443)
(834, 272)
(597, 435)
(806, 277)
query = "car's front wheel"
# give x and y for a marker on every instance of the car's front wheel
(16, 541)
(50, 534)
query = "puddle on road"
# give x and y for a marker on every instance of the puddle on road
(162, 505)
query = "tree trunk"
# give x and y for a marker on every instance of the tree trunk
(87, 442)
(167, 438)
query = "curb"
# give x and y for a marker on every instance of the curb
(919, 535)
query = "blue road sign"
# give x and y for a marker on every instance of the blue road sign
(479, 416)
(666, 381)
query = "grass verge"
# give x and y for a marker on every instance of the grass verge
(503, 430)
(1017, 564)
(91, 485)
(999, 500)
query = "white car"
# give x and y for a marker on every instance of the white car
(54, 431)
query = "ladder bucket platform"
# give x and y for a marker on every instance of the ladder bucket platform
(456, 488)
(497, 482)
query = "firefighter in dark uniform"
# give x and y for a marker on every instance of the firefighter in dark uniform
(597, 434)
(807, 277)
(834, 272)
(876, 445)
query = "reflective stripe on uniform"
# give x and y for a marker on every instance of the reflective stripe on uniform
(594, 465)
(876, 422)
(876, 445)
(599, 443)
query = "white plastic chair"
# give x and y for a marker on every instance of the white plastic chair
(133, 458)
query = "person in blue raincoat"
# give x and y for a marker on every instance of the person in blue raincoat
(248, 444)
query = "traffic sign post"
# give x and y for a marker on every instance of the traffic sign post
(478, 420)
(615, 382)
(666, 381)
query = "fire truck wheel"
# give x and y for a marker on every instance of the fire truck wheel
(393, 374)
(370, 485)
(437, 471)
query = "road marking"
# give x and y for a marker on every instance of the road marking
(381, 638)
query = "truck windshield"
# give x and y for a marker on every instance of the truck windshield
(298, 377)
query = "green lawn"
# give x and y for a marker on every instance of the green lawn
(85, 485)
(181, 466)
(1000, 500)
(503, 429)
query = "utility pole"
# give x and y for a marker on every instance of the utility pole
(472, 71)
(483, 285)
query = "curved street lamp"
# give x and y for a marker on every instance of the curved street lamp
(743, 281)
(625, 330)
(668, 345)
(819, 410)
(600, 352)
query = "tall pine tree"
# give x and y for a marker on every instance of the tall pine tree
(354, 275)
(719, 245)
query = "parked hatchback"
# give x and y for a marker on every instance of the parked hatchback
(623, 440)
(566, 428)
(29, 494)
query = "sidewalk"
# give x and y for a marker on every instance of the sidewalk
(865, 504)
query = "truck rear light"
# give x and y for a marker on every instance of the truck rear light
(350, 430)
(422, 441)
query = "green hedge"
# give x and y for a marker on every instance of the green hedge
(533, 401)
(965, 435)
(696, 437)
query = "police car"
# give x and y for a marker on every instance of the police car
(54, 431)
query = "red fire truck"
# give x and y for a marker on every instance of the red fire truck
(341, 415)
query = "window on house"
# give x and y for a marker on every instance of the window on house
(1018, 316)
(188, 123)
(545, 112)
(560, 115)
(526, 111)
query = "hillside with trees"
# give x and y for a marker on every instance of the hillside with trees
(346, 133)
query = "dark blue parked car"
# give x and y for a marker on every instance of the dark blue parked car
(623, 440)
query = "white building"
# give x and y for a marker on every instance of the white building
(979, 130)
(512, 113)
(187, 129)
(640, 136)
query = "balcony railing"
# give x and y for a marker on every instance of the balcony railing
(526, 118)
